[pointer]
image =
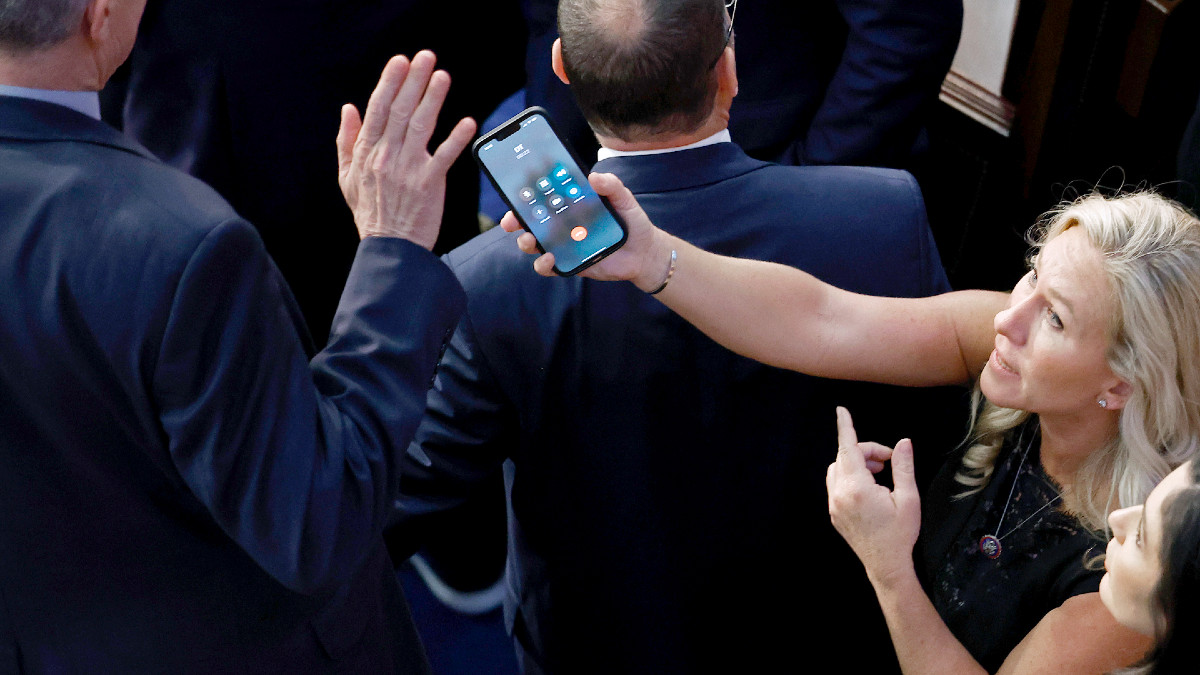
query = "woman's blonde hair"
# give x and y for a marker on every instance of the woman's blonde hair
(1150, 250)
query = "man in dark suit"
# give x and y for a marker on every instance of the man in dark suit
(822, 82)
(186, 487)
(666, 496)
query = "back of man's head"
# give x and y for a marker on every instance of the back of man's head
(30, 25)
(642, 68)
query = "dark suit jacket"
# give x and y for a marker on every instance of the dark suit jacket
(667, 496)
(183, 489)
(827, 82)
(246, 94)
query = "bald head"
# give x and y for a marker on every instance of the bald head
(623, 22)
(642, 68)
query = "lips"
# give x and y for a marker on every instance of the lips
(1000, 364)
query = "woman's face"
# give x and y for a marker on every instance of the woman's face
(1132, 560)
(1052, 338)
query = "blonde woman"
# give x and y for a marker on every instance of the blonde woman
(1084, 373)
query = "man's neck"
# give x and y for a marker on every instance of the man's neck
(714, 125)
(58, 68)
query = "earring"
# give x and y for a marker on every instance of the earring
(1103, 402)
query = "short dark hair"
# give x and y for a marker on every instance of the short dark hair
(28, 25)
(1178, 591)
(642, 67)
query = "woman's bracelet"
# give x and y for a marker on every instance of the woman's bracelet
(670, 273)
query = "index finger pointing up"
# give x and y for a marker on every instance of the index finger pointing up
(850, 457)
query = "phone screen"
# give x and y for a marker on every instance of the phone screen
(548, 191)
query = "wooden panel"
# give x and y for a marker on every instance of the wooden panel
(1141, 52)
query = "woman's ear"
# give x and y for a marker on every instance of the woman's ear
(1116, 396)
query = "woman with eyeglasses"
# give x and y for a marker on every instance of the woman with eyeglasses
(1085, 375)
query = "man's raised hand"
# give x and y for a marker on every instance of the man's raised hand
(394, 186)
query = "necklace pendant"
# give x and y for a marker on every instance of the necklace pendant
(989, 545)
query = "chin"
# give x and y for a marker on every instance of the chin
(994, 392)
(1106, 592)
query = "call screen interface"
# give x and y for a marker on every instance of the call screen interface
(549, 192)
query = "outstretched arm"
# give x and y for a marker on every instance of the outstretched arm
(784, 317)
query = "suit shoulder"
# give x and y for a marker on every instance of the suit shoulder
(851, 178)
(500, 283)
(489, 258)
(184, 199)
(857, 187)
(152, 206)
(107, 211)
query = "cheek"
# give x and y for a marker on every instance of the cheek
(1067, 372)
(1114, 595)
(1112, 601)
(1106, 591)
(1130, 595)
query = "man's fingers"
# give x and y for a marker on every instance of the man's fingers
(455, 143)
(378, 106)
(424, 118)
(850, 458)
(411, 92)
(348, 131)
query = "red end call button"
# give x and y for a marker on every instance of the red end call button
(579, 233)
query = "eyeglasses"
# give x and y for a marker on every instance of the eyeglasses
(731, 7)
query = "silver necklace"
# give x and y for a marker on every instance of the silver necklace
(989, 544)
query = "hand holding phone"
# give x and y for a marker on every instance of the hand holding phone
(542, 183)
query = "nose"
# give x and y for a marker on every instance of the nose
(1011, 322)
(1120, 521)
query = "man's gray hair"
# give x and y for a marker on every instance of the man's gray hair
(30, 25)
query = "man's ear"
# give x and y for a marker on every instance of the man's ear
(727, 73)
(96, 20)
(556, 62)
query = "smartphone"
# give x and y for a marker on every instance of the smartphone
(540, 180)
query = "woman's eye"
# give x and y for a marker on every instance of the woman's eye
(1033, 277)
(1053, 318)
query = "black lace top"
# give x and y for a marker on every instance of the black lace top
(990, 604)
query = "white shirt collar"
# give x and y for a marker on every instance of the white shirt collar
(721, 136)
(86, 102)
